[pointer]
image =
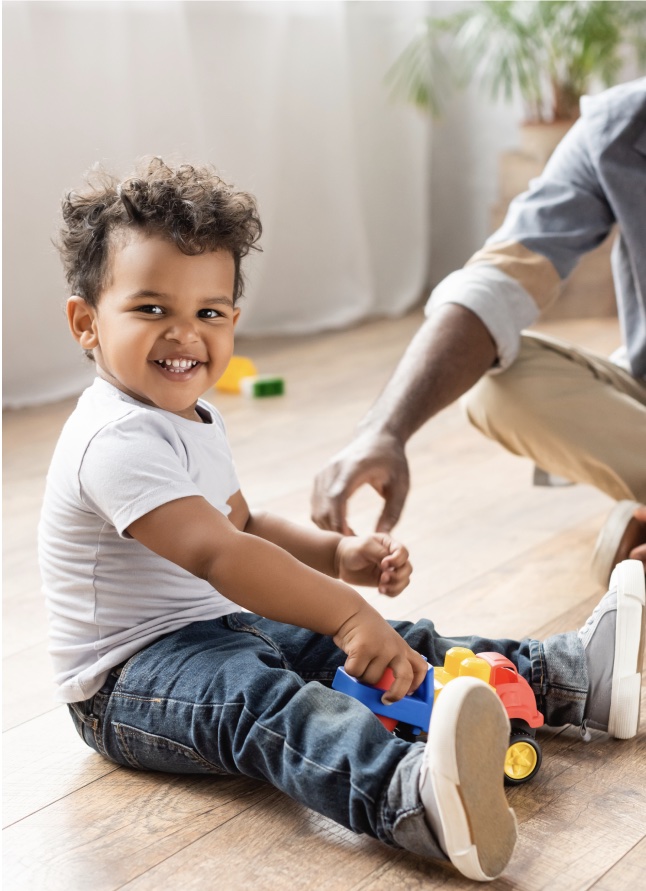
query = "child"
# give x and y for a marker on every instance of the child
(150, 553)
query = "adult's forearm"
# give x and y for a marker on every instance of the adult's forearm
(447, 356)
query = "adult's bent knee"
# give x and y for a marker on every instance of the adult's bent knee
(495, 402)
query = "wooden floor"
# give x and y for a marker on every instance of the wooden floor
(492, 554)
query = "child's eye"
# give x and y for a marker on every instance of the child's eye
(151, 309)
(209, 314)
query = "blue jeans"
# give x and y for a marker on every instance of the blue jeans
(245, 695)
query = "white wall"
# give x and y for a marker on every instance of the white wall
(466, 145)
(287, 99)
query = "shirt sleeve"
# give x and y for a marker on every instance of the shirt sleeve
(229, 465)
(130, 467)
(519, 271)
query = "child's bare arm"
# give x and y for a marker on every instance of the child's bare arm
(376, 560)
(309, 545)
(259, 575)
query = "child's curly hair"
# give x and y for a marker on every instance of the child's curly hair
(190, 206)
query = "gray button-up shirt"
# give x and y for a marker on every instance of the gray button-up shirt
(595, 178)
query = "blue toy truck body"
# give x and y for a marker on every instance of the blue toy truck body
(414, 710)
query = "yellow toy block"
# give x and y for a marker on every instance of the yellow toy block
(460, 662)
(238, 367)
(454, 657)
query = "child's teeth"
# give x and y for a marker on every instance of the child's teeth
(179, 365)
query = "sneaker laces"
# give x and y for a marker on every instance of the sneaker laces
(602, 607)
(590, 620)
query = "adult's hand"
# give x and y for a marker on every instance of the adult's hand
(377, 459)
(449, 353)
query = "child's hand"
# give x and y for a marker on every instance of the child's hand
(372, 646)
(376, 560)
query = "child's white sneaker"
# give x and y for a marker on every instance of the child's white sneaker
(613, 639)
(462, 779)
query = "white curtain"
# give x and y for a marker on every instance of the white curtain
(286, 98)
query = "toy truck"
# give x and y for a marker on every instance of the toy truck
(414, 712)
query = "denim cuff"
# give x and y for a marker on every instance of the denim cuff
(559, 678)
(402, 821)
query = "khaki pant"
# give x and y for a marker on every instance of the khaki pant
(574, 413)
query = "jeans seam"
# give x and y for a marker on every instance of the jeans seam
(323, 767)
(123, 674)
(323, 677)
(388, 817)
(236, 624)
(167, 699)
(90, 721)
(98, 730)
(538, 666)
(98, 738)
(558, 692)
(135, 698)
(124, 747)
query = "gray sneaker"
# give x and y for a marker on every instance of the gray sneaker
(613, 639)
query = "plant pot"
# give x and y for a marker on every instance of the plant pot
(538, 141)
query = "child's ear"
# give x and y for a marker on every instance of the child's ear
(81, 318)
(236, 315)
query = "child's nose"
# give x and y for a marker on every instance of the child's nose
(181, 332)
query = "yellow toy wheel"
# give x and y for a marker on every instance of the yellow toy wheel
(523, 759)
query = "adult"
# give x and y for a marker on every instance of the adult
(574, 413)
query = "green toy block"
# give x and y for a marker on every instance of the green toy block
(262, 385)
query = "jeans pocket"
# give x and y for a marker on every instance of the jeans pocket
(147, 751)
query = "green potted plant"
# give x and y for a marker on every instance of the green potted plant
(547, 52)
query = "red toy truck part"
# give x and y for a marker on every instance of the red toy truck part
(513, 690)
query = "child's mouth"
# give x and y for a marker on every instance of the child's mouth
(177, 366)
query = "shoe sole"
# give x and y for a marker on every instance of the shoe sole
(606, 549)
(466, 748)
(625, 700)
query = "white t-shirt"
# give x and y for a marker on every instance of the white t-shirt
(108, 596)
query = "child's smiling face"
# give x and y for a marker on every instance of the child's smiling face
(163, 328)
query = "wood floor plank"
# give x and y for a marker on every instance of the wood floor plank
(593, 810)
(629, 872)
(29, 669)
(44, 761)
(273, 846)
(118, 827)
(515, 596)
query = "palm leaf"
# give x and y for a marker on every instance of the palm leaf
(545, 51)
